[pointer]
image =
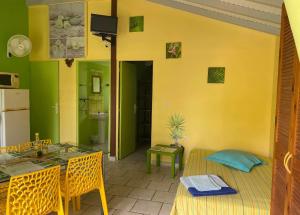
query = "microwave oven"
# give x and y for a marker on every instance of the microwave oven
(9, 80)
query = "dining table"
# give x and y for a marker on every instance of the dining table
(18, 163)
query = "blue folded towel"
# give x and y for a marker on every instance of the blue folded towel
(206, 185)
(223, 191)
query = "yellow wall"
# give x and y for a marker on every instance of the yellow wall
(293, 9)
(238, 114)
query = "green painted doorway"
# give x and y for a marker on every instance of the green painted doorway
(93, 105)
(135, 106)
(44, 100)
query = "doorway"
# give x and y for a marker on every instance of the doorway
(93, 90)
(44, 100)
(135, 106)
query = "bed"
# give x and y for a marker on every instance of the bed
(254, 189)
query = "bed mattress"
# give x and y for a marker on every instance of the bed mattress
(254, 189)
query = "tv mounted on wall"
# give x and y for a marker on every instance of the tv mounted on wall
(104, 25)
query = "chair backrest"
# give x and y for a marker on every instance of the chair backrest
(26, 146)
(46, 142)
(35, 193)
(9, 149)
(84, 174)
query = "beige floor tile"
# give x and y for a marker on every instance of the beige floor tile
(116, 180)
(135, 174)
(119, 190)
(166, 209)
(147, 207)
(144, 194)
(120, 212)
(111, 211)
(93, 210)
(155, 177)
(83, 207)
(139, 183)
(92, 198)
(173, 188)
(121, 203)
(165, 197)
(160, 186)
(116, 172)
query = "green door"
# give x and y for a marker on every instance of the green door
(128, 94)
(44, 96)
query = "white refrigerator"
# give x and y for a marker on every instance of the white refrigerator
(14, 116)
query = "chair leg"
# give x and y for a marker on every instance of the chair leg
(74, 204)
(66, 206)
(60, 208)
(77, 203)
(103, 198)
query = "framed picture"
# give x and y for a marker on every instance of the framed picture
(173, 50)
(96, 84)
(216, 75)
(67, 30)
(136, 24)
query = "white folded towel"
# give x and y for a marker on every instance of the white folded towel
(203, 182)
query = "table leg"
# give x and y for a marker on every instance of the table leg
(148, 162)
(173, 157)
(157, 159)
(180, 154)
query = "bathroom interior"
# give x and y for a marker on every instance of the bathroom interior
(93, 104)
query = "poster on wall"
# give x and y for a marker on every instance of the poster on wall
(136, 24)
(216, 75)
(173, 50)
(66, 30)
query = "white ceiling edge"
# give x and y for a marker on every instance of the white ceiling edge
(228, 13)
(45, 2)
(254, 5)
(276, 3)
(250, 23)
(238, 9)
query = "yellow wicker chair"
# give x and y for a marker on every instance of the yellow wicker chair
(25, 146)
(36, 193)
(9, 149)
(3, 196)
(84, 174)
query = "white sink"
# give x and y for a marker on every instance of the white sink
(99, 115)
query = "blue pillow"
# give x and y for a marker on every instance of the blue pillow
(240, 160)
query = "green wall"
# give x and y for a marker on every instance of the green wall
(13, 20)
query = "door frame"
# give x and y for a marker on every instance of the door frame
(110, 99)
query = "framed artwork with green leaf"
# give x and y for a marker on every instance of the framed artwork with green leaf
(173, 50)
(216, 75)
(136, 24)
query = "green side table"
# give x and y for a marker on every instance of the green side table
(167, 150)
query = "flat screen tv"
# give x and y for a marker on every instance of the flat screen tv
(106, 25)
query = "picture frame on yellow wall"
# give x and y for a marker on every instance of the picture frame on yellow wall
(136, 24)
(216, 75)
(173, 50)
(67, 30)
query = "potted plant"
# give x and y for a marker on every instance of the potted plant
(176, 127)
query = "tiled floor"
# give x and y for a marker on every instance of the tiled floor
(131, 191)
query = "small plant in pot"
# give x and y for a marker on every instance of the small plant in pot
(176, 127)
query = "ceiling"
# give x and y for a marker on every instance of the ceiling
(261, 15)
(39, 2)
